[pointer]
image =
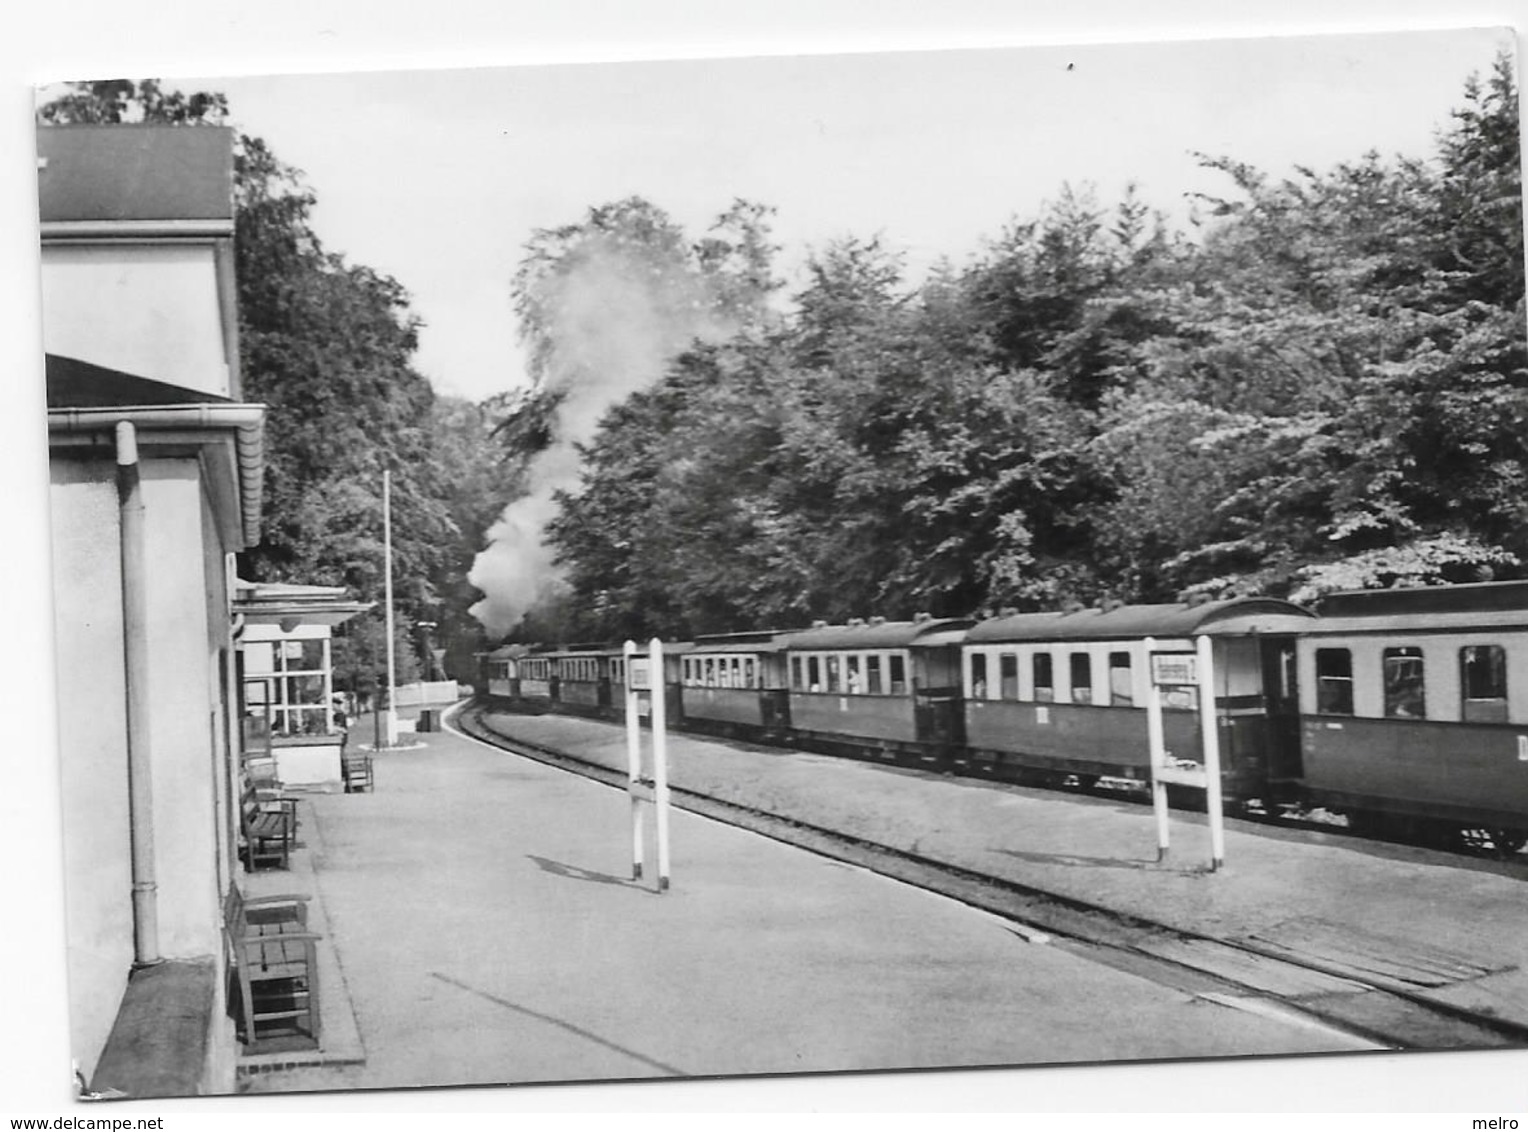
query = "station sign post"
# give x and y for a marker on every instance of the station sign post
(1180, 669)
(644, 674)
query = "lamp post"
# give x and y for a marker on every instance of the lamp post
(391, 719)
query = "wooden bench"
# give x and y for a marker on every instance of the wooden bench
(273, 969)
(355, 768)
(264, 915)
(269, 825)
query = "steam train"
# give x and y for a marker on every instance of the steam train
(1405, 710)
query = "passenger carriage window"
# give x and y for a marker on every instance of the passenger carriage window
(1121, 686)
(749, 679)
(1483, 683)
(873, 683)
(1334, 682)
(814, 673)
(898, 675)
(710, 663)
(833, 665)
(1045, 680)
(1405, 692)
(978, 676)
(737, 672)
(852, 682)
(1082, 678)
(796, 681)
(1008, 673)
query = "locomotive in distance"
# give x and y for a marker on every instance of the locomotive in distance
(1404, 710)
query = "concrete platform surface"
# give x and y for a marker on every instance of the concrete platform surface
(1442, 926)
(485, 929)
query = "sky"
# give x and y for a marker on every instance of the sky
(439, 177)
(440, 184)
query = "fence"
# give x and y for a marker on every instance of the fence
(431, 692)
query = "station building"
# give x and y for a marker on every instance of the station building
(156, 467)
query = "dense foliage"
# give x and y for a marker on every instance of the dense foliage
(1326, 389)
(1324, 386)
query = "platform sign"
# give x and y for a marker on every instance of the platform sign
(1174, 671)
(644, 790)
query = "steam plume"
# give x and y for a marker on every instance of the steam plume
(612, 316)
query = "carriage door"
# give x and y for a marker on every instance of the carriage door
(1281, 694)
(938, 713)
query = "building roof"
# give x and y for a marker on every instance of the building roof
(134, 173)
(73, 384)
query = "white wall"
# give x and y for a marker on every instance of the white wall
(148, 310)
(93, 770)
(187, 731)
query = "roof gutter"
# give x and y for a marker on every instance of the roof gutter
(246, 421)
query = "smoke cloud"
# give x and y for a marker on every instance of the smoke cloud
(613, 316)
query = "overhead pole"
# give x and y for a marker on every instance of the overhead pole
(390, 735)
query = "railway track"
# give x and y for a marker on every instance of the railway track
(1379, 1007)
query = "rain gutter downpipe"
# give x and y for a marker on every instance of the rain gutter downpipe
(140, 768)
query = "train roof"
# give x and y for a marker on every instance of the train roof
(768, 641)
(881, 634)
(1244, 616)
(1475, 597)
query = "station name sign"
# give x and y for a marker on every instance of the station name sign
(1174, 669)
(639, 674)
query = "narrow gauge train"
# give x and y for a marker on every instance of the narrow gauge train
(1406, 710)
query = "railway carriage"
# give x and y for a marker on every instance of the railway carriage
(887, 687)
(1056, 694)
(1415, 715)
(501, 671)
(735, 684)
(584, 675)
(538, 680)
(1406, 710)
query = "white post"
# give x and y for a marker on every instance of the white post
(660, 758)
(1209, 730)
(1158, 742)
(633, 760)
(390, 736)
